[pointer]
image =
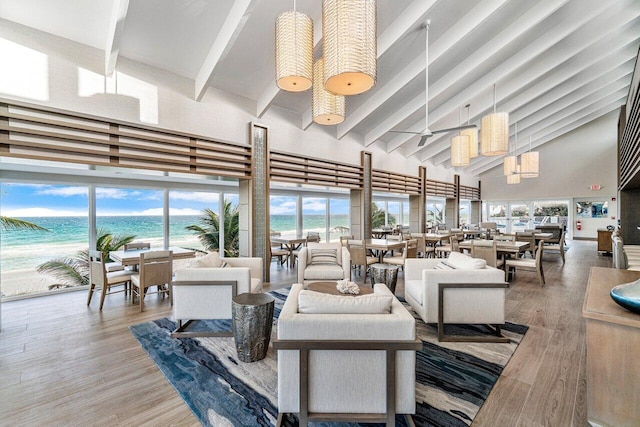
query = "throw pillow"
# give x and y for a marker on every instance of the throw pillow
(310, 302)
(465, 262)
(444, 266)
(324, 256)
(211, 260)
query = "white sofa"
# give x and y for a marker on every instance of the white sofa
(206, 292)
(472, 293)
(348, 381)
(309, 272)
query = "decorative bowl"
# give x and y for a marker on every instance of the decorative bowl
(628, 296)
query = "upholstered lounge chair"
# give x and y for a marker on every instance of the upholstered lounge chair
(471, 292)
(332, 339)
(319, 262)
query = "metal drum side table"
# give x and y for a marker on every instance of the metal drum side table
(252, 321)
(384, 273)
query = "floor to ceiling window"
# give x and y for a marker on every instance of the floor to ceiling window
(435, 211)
(525, 215)
(63, 211)
(465, 212)
(519, 214)
(314, 216)
(283, 214)
(339, 222)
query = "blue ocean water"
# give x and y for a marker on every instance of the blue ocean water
(22, 249)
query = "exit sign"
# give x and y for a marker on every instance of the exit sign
(595, 187)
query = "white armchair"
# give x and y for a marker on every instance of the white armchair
(353, 383)
(206, 292)
(472, 293)
(316, 263)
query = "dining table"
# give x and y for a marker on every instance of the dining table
(538, 235)
(433, 239)
(291, 243)
(381, 246)
(132, 257)
(380, 233)
(505, 247)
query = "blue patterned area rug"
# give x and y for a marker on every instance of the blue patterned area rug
(452, 379)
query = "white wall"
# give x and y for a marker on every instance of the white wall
(569, 165)
(159, 98)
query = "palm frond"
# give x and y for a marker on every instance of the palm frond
(68, 271)
(7, 223)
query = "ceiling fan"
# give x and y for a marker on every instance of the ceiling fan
(428, 133)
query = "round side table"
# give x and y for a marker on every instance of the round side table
(252, 322)
(384, 273)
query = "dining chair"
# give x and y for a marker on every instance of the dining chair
(102, 280)
(504, 238)
(443, 251)
(344, 240)
(527, 264)
(529, 237)
(156, 269)
(424, 250)
(409, 251)
(313, 236)
(359, 256)
(557, 247)
(486, 250)
(279, 252)
(136, 245)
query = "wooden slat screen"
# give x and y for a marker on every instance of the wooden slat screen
(395, 183)
(441, 188)
(45, 134)
(629, 154)
(469, 193)
(294, 168)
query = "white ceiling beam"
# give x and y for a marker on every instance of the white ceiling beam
(407, 109)
(114, 35)
(586, 95)
(569, 115)
(233, 24)
(412, 15)
(520, 26)
(272, 90)
(564, 130)
(585, 42)
(585, 66)
(448, 40)
(570, 34)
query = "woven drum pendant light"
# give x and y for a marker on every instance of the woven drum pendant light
(515, 177)
(326, 108)
(472, 133)
(349, 45)
(494, 135)
(530, 163)
(511, 162)
(294, 51)
(460, 150)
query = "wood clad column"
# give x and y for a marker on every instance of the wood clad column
(452, 207)
(254, 201)
(360, 202)
(417, 205)
(476, 208)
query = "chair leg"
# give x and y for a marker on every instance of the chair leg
(90, 293)
(103, 294)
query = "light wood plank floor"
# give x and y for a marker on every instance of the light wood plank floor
(63, 363)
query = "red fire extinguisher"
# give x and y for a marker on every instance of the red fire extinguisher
(578, 225)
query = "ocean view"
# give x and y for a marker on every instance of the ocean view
(26, 249)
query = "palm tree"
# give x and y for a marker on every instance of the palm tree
(208, 228)
(377, 217)
(74, 271)
(7, 223)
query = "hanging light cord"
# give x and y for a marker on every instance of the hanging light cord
(494, 98)
(426, 77)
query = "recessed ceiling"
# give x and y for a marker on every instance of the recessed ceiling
(556, 63)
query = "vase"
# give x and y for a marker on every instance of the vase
(628, 296)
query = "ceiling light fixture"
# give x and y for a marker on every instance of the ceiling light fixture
(514, 178)
(294, 51)
(349, 45)
(530, 163)
(326, 107)
(494, 136)
(511, 162)
(460, 149)
(472, 133)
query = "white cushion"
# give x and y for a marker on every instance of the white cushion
(211, 260)
(113, 266)
(256, 286)
(323, 272)
(414, 288)
(119, 276)
(465, 262)
(337, 246)
(310, 302)
(322, 256)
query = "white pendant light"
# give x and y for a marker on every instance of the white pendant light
(326, 107)
(472, 133)
(349, 45)
(511, 162)
(294, 51)
(530, 163)
(494, 133)
(515, 177)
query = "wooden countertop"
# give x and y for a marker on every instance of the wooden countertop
(598, 304)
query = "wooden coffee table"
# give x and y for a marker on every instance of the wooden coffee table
(330, 288)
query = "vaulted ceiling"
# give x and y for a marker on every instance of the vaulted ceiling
(557, 64)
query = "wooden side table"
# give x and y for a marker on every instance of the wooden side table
(604, 240)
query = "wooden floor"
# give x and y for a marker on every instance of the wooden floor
(63, 363)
